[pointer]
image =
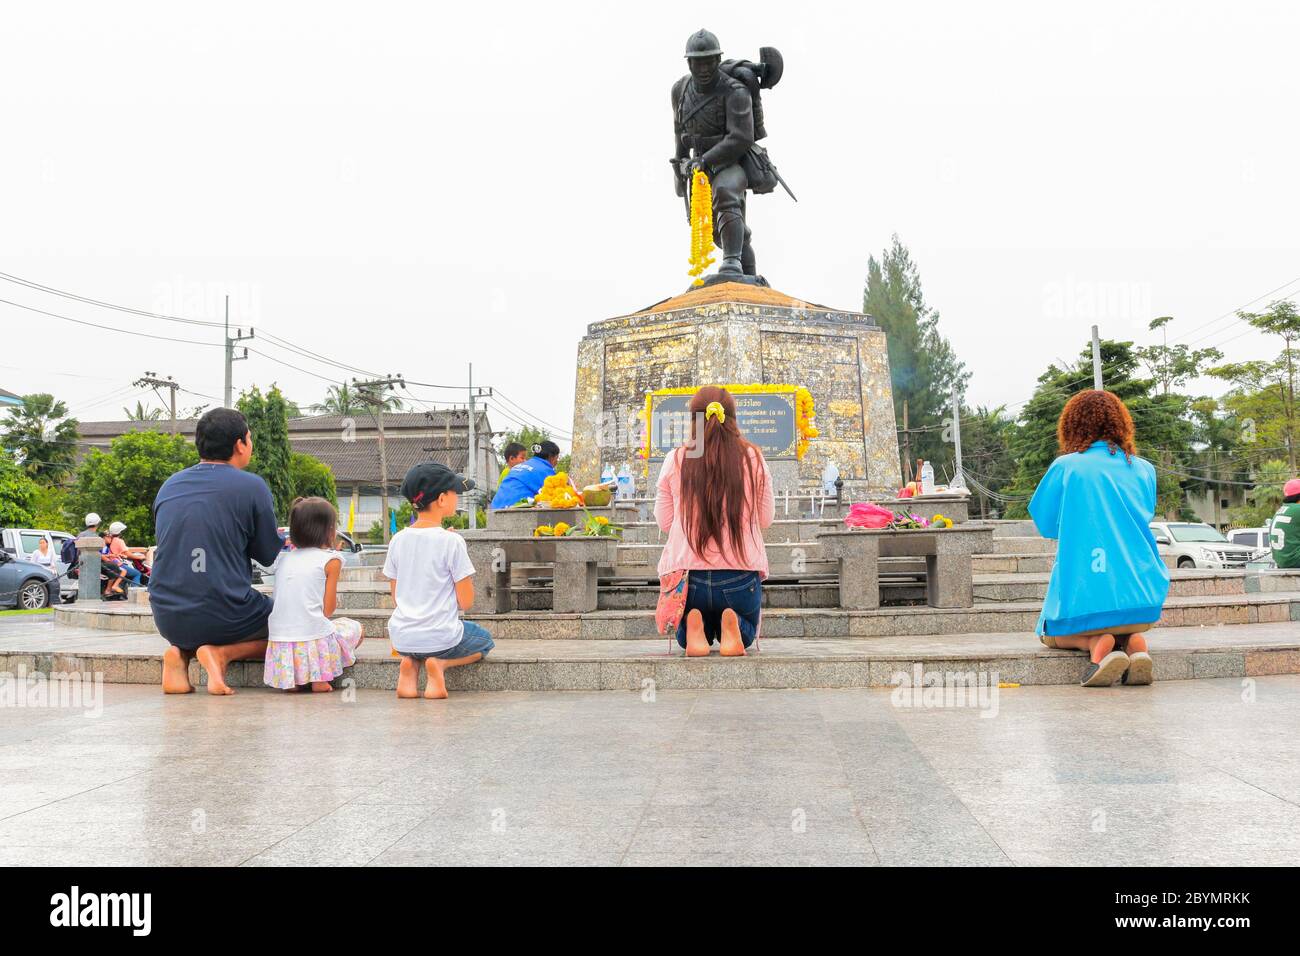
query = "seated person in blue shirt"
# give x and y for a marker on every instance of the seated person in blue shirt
(212, 519)
(1109, 582)
(525, 479)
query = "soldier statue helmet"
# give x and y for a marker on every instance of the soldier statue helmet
(718, 120)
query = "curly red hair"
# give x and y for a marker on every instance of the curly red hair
(1095, 416)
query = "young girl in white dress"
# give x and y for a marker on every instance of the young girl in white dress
(304, 646)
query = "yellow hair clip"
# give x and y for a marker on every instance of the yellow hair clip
(715, 410)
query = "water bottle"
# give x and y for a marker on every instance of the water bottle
(927, 479)
(624, 482)
(607, 476)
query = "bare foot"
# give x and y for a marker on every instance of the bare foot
(1101, 646)
(176, 672)
(732, 644)
(696, 643)
(213, 659)
(436, 686)
(408, 681)
(321, 687)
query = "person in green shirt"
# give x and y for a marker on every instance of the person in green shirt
(513, 453)
(1284, 532)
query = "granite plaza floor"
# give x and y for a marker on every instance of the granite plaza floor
(1184, 772)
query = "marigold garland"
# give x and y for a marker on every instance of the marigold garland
(701, 225)
(805, 415)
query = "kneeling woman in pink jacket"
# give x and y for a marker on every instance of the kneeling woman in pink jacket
(714, 500)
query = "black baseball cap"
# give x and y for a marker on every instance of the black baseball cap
(429, 479)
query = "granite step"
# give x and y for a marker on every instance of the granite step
(794, 622)
(1182, 583)
(1020, 563)
(645, 666)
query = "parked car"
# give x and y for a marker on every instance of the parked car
(1190, 544)
(1256, 538)
(348, 548)
(22, 543)
(26, 585)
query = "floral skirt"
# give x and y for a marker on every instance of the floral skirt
(293, 663)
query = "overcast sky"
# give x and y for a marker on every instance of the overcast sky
(410, 188)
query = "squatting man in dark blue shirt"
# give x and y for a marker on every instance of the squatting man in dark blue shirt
(212, 520)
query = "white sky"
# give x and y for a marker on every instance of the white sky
(410, 188)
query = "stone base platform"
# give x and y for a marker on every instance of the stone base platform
(735, 333)
(1180, 653)
(803, 623)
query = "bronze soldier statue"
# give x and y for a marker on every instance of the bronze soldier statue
(717, 122)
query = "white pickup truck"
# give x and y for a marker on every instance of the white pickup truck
(1194, 544)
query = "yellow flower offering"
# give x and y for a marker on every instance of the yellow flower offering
(560, 529)
(543, 531)
(601, 519)
(701, 225)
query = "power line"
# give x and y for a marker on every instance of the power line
(109, 328)
(102, 304)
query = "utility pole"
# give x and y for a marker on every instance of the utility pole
(152, 381)
(371, 392)
(958, 479)
(231, 358)
(1096, 361)
(907, 447)
(473, 445)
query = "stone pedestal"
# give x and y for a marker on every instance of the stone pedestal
(729, 333)
(88, 568)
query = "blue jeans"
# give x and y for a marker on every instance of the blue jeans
(475, 640)
(712, 592)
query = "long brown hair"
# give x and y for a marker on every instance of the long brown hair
(1095, 416)
(717, 468)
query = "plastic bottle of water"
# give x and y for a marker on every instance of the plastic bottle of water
(607, 476)
(927, 479)
(624, 482)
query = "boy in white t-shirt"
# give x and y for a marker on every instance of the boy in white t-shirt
(431, 579)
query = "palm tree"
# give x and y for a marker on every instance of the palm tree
(142, 414)
(342, 400)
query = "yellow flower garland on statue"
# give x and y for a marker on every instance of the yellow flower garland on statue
(805, 415)
(701, 225)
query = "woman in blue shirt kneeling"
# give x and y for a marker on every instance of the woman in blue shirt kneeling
(1109, 583)
(525, 479)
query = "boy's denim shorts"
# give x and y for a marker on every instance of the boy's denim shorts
(476, 640)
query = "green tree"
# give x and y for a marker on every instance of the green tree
(1172, 366)
(1263, 396)
(986, 437)
(51, 509)
(1216, 441)
(268, 422)
(18, 496)
(311, 477)
(1265, 496)
(42, 435)
(1160, 420)
(923, 367)
(121, 484)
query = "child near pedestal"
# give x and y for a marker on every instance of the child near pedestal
(304, 646)
(432, 580)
